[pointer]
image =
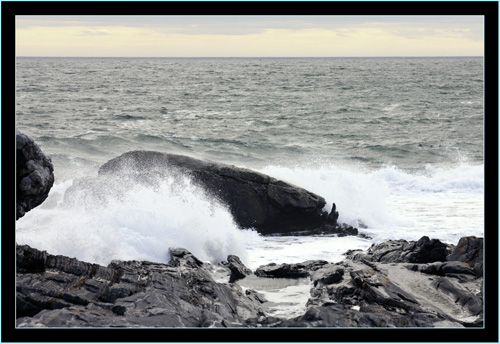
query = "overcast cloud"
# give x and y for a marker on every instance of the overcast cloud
(447, 31)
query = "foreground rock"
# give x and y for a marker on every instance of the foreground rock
(364, 290)
(34, 175)
(399, 284)
(255, 200)
(57, 291)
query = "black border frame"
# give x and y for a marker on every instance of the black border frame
(488, 9)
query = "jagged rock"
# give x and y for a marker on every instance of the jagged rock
(254, 199)
(34, 175)
(328, 274)
(299, 270)
(447, 268)
(469, 250)
(184, 258)
(424, 250)
(57, 291)
(238, 270)
(393, 279)
(64, 292)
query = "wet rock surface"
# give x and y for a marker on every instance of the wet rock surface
(254, 199)
(57, 291)
(397, 284)
(64, 292)
(424, 250)
(290, 270)
(34, 175)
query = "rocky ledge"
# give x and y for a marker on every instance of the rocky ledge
(393, 284)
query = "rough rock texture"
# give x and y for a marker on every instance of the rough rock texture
(238, 270)
(398, 284)
(469, 250)
(289, 270)
(56, 291)
(254, 199)
(34, 175)
(424, 250)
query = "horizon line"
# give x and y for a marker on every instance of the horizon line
(250, 57)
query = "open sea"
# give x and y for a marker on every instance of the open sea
(396, 143)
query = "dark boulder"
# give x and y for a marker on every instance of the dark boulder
(254, 199)
(447, 268)
(469, 250)
(328, 274)
(424, 250)
(238, 270)
(298, 270)
(34, 175)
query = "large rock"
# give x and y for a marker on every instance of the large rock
(34, 175)
(255, 200)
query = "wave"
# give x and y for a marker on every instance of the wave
(462, 178)
(140, 223)
(89, 132)
(128, 117)
(388, 198)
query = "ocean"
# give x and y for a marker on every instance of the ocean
(396, 143)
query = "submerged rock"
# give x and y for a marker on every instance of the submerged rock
(34, 175)
(255, 200)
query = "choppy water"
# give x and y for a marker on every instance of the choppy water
(396, 143)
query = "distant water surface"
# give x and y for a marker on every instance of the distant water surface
(395, 143)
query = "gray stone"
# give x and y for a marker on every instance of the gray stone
(57, 291)
(469, 250)
(424, 250)
(64, 292)
(336, 315)
(298, 270)
(34, 175)
(238, 270)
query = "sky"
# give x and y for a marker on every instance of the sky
(249, 36)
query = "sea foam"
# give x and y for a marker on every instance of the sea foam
(443, 202)
(139, 224)
(142, 222)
